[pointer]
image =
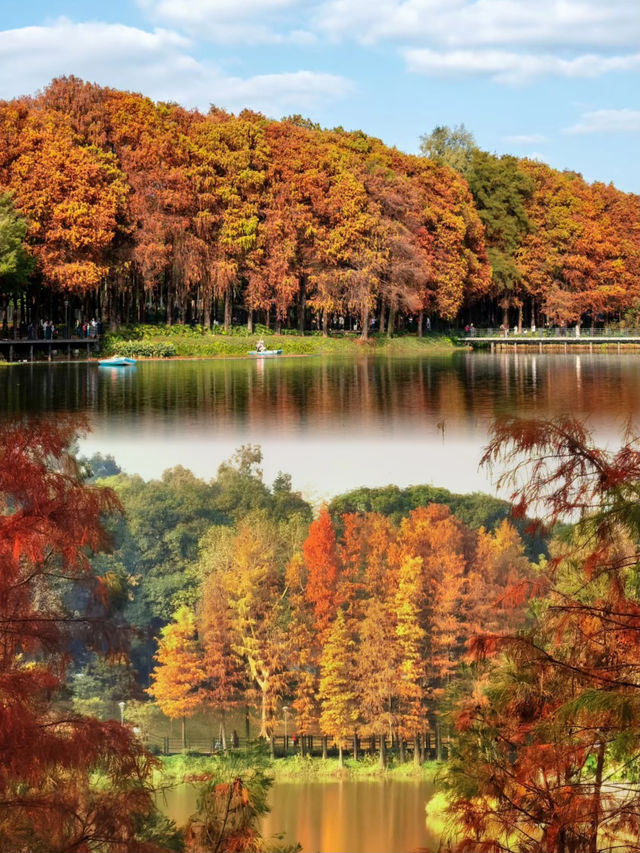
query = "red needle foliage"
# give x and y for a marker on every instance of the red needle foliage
(547, 744)
(321, 558)
(50, 522)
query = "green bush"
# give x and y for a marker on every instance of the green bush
(143, 349)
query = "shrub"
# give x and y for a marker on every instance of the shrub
(144, 349)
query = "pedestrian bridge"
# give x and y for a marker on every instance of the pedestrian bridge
(548, 338)
(29, 349)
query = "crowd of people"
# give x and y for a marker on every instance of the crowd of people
(48, 331)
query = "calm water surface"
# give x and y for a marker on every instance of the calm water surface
(333, 423)
(337, 817)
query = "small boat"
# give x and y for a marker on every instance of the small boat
(116, 361)
(265, 352)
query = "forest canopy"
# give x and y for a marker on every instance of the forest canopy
(135, 210)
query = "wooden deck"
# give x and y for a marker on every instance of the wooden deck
(24, 349)
(562, 342)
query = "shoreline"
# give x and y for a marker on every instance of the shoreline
(204, 347)
(180, 768)
(152, 344)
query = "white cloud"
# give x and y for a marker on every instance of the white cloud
(607, 121)
(233, 21)
(512, 41)
(465, 23)
(526, 138)
(513, 68)
(157, 63)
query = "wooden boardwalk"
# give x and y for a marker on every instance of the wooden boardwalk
(25, 349)
(283, 746)
(562, 342)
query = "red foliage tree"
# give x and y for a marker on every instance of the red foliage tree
(50, 522)
(547, 742)
(321, 559)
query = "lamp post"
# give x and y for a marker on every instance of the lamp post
(286, 739)
(121, 706)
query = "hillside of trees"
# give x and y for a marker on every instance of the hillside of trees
(399, 628)
(128, 210)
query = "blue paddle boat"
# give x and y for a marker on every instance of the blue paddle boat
(265, 352)
(116, 361)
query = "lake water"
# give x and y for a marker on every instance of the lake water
(333, 423)
(337, 817)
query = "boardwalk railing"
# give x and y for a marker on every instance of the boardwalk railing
(283, 746)
(28, 349)
(552, 333)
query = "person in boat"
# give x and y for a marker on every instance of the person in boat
(260, 346)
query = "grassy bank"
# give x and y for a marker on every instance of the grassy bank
(195, 342)
(296, 768)
(185, 767)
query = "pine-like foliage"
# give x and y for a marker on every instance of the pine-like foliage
(180, 671)
(547, 748)
(67, 782)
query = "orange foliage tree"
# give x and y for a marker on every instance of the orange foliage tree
(179, 673)
(321, 560)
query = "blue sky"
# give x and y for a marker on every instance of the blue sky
(552, 79)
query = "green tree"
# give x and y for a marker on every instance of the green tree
(501, 191)
(453, 147)
(15, 261)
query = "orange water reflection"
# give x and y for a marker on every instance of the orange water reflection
(338, 817)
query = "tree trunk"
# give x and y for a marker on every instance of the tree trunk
(355, 746)
(401, 747)
(392, 321)
(520, 319)
(382, 761)
(381, 317)
(324, 747)
(597, 788)
(364, 334)
(206, 304)
(184, 732)
(417, 755)
(302, 304)
(272, 747)
(250, 322)
(420, 322)
(340, 755)
(169, 305)
(325, 323)
(278, 328)
(263, 715)
(438, 742)
(228, 308)
(247, 725)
